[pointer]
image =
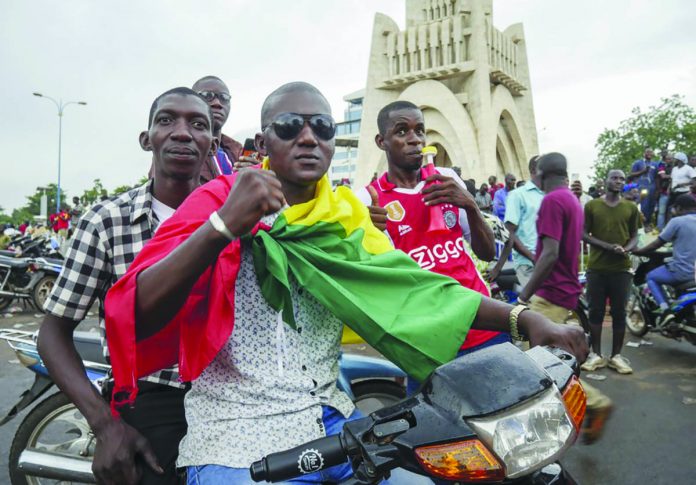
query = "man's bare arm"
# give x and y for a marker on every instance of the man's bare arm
(543, 267)
(117, 443)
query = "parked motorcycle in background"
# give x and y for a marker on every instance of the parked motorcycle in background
(643, 314)
(27, 279)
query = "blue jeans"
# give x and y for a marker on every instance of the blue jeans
(658, 277)
(333, 423)
(662, 211)
(412, 385)
(647, 206)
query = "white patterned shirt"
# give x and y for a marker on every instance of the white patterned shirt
(264, 391)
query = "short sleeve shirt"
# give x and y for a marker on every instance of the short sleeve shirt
(681, 232)
(613, 225)
(560, 218)
(522, 207)
(107, 239)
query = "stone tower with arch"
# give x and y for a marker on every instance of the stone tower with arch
(470, 79)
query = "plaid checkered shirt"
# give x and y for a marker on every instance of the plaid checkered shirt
(107, 239)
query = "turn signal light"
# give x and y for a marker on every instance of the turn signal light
(575, 401)
(467, 460)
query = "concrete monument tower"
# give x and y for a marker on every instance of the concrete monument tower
(470, 79)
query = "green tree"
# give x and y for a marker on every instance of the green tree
(93, 194)
(33, 205)
(670, 125)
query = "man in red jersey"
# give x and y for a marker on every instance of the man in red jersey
(400, 202)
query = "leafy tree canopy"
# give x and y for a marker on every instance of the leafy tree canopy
(671, 125)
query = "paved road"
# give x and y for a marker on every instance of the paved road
(649, 440)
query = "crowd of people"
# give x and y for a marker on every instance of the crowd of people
(213, 266)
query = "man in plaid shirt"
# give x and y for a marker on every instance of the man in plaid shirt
(106, 240)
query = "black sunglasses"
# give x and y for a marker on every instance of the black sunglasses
(211, 95)
(288, 125)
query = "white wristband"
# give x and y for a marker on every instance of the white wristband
(219, 225)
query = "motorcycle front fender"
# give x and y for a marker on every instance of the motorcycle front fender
(38, 389)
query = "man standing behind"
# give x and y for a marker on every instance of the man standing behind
(501, 196)
(520, 221)
(643, 173)
(553, 289)
(483, 199)
(405, 199)
(611, 229)
(662, 183)
(106, 240)
(681, 177)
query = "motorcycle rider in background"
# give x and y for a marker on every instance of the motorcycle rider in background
(681, 232)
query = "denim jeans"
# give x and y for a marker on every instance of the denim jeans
(333, 423)
(647, 206)
(658, 277)
(662, 211)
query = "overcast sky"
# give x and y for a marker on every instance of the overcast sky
(590, 62)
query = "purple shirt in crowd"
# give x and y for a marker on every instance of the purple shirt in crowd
(561, 218)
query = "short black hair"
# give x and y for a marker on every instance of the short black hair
(685, 201)
(383, 116)
(293, 87)
(208, 78)
(533, 164)
(553, 163)
(181, 91)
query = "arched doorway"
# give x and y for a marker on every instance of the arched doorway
(442, 158)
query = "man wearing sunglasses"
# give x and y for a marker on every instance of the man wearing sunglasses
(265, 385)
(228, 156)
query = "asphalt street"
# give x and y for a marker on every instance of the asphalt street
(650, 438)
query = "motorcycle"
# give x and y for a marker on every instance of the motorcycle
(506, 287)
(643, 313)
(497, 415)
(33, 247)
(54, 441)
(28, 279)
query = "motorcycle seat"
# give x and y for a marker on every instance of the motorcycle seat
(15, 263)
(687, 285)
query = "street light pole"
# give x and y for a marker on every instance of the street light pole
(61, 107)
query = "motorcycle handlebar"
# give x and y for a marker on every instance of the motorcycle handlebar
(308, 458)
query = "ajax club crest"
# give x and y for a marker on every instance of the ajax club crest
(450, 219)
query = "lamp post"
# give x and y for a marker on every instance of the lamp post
(61, 107)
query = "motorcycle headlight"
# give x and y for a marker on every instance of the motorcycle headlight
(530, 435)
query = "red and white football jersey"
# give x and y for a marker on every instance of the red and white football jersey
(407, 222)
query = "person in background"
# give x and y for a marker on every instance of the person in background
(692, 160)
(643, 173)
(60, 222)
(520, 221)
(23, 227)
(692, 188)
(681, 177)
(483, 199)
(75, 213)
(681, 232)
(553, 288)
(493, 185)
(405, 199)
(611, 230)
(662, 184)
(576, 188)
(501, 196)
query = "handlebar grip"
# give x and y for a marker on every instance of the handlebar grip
(307, 458)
